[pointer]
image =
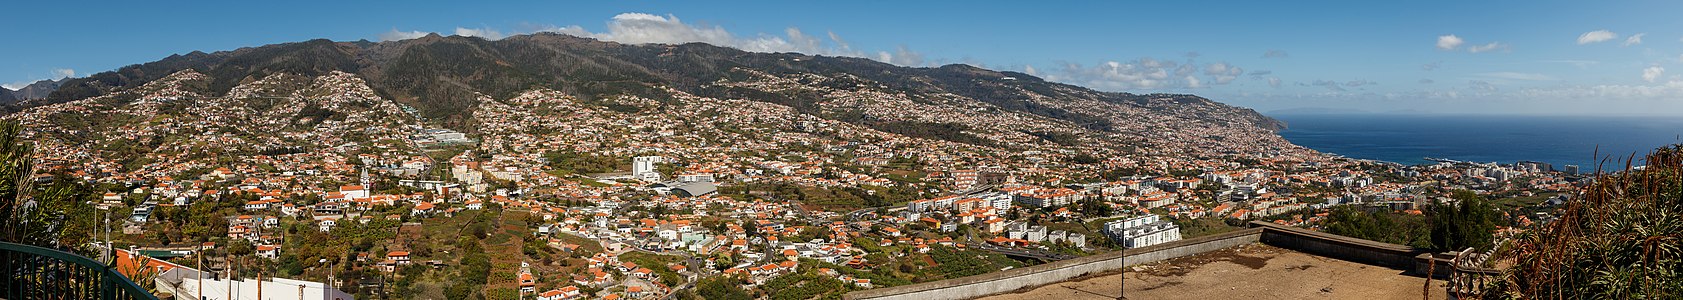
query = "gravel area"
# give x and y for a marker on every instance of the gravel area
(1254, 271)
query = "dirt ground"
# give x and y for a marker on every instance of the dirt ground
(1253, 271)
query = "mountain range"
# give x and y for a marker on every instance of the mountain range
(450, 82)
(38, 90)
(439, 74)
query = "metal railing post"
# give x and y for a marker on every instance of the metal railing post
(43, 273)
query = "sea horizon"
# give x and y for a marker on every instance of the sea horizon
(1409, 138)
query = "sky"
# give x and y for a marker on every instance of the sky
(1455, 57)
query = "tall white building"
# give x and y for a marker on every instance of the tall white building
(1142, 231)
(643, 168)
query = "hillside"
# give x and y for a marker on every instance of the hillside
(320, 94)
(439, 75)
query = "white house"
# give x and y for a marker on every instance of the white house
(354, 191)
(567, 292)
(326, 223)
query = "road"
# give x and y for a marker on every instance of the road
(1029, 253)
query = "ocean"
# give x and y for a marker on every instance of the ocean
(1408, 139)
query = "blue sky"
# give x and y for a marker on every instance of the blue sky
(1534, 57)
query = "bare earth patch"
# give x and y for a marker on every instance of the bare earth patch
(1254, 271)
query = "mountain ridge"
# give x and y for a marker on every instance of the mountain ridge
(439, 74)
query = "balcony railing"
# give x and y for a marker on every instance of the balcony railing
(30, 272)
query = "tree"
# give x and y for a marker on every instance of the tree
(1378, 226)
(38, 215)
(240, 247)
(1467, 223)
(1084, 159)
(721, 287)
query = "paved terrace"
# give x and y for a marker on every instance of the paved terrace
(1253, 271)
(1266, 261)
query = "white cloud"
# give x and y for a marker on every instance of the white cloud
(840, 43)
(901, 56)
(1481, 85)
(1144, 74)
(1517, 76)
(1487, 47)
(1274, 82)
(1183, 70)
(1635, 39)
(56, 75)
(1029, 69)
(1667, 91)
(395, 35)
(1222, 72)
(1339, 86)
(1596, 36)
(1449, 42)
(1574, 62)
(642, 28)
(1652, 73)
(484, 33)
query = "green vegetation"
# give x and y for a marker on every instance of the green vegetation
(806, 284)
(952, 132)
(1469, 222)
(1060, 138)
(828, 197)
(721, 287)
(59, 206)
(569, 162)
(656, 263)
(1191, 228)
(1618, 241)
(879, 277)
(1084, 159)
(1383, 226)
(955, 263)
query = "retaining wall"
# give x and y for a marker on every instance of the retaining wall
(1302, 240)
(1341, 247)
(1037, 275)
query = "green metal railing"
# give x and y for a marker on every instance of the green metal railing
(31, 272)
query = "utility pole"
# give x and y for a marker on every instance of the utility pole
(201, 265)
(259, 283)
(228, 267)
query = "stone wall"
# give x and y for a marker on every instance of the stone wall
(1302, 240)
(1341, 247)
(1038, 275)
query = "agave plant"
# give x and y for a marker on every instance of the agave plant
(1620, 240)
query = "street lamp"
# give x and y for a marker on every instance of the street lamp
(329, 272)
